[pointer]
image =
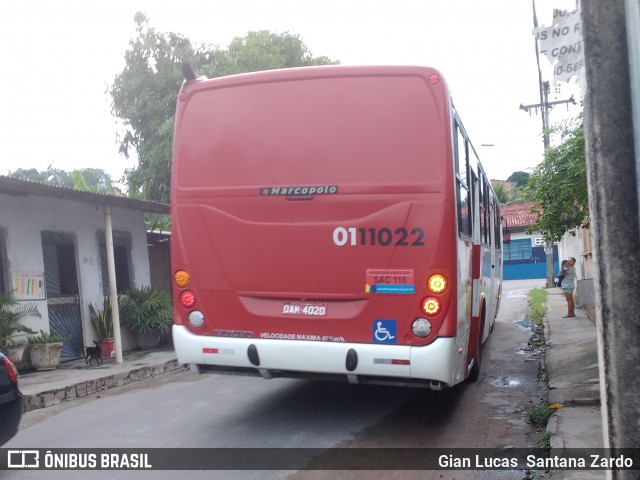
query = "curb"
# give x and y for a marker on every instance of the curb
(90, 387)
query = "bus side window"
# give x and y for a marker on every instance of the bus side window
(462, 185)
(482, 210)
(490, 230)
(497, 225)
(486, 221)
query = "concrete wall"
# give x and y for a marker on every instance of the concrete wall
(23, 218)
(585, 295)
(579, 247)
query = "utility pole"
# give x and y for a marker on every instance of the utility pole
(611, 135)
(545, 107)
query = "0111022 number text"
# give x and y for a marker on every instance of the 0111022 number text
(384, 237)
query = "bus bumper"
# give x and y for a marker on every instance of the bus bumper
(432, 366)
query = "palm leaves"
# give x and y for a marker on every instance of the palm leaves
(145, 309)
(11, 315)
(102, 319)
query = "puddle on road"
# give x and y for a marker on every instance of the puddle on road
(506, 381)
(526, 325)
(588, 367)
(531, 351)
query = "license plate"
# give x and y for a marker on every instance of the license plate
(299, 308)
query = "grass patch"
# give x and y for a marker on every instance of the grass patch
(540, 415)
(544, 440)
(537, 308)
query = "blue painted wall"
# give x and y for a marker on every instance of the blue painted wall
(533, 267)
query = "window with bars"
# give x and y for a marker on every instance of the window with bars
(122, 262)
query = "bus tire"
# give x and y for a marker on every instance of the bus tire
(474, 373)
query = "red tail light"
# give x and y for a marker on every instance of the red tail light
(187, 299)
(431, 306)
(11, 369)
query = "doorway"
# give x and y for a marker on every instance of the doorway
(63, 296)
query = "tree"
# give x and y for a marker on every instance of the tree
(501, 193)
(51, 176)
(558, 186)
(263, 50)
(95, 180)
(143, 96)
(144, 93)
(520, 178)
(90, 179)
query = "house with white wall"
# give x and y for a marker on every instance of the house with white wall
(524, 257)
(54, 246)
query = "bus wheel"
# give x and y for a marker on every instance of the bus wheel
(474, 374)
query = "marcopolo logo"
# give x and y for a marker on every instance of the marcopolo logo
(299, 191)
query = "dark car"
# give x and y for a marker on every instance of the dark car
(10, 400)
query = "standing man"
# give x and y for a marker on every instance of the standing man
(568, 284)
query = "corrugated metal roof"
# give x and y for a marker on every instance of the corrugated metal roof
(16, 186)
(518, 215)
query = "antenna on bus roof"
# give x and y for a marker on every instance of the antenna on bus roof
(188, 72)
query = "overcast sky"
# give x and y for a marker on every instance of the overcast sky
(59, 57)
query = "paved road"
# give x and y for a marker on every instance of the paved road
(185, 410)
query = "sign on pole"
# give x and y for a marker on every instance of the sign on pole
(562, 44)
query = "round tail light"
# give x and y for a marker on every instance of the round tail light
(437, 283)
(196, 319)
(431, 306)
(181, 278)
(187, 299)
(421, 327)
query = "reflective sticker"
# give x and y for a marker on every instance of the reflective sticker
(391, 361)
(383, 280)
(384, 331)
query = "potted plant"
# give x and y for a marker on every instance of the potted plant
(11, 315)
(102, 321)
(44, 349)
(148, 312)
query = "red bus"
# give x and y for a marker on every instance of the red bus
(331, 222)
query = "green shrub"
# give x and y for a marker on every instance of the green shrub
(102, 319)
(45, 337)
(11, 315)
(146, 309)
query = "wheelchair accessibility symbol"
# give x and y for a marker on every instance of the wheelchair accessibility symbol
(384, 331)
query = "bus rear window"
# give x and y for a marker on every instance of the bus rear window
(355, 130)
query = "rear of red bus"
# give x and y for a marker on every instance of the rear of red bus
(314, 226)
